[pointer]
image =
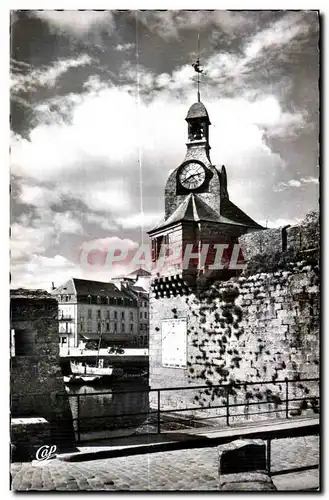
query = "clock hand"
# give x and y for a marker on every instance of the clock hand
(193, 175)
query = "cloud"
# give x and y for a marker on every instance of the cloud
(295, 183)
(280, 33)
(28, 240)
(46, 76)
(66, 223)
(125, 47)
(101, 220)
(280, 222)
(38, 196)
(97, 151)
(140, 220)
(110, 256)
(41, 271)
(170, 23)
(43, 232)
(77, 22)
(310, 180)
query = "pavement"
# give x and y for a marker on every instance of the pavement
(193, 469)
(191, 438)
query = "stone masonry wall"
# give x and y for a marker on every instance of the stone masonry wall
(258, 327)
(302, 236)
(36, 381)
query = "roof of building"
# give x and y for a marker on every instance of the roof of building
(139, 289)
(24, 293)
(194, 209)
(139, 273)
(100, 288)
(236, 215)
(197, 110)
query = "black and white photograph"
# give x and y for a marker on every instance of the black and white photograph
(165, 271)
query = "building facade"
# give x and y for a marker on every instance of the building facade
(88, 310)
(113, 313)
(136, 285)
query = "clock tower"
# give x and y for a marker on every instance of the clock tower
(198, 215)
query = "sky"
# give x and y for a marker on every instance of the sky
(98, 107)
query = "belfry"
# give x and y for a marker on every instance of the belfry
(198, 210)
(198, 213)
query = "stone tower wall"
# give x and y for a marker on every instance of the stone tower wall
(261, 326)
(36, 381)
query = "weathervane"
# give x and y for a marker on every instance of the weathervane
(198, 68)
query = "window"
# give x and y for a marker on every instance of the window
(145, 315)
(115, 315)
(107, 326)
(131, 315)
(131, 327)
(98, 326)
(107, 314)
(66, 327)
(98, 313)
(59, 298)
(141, 314)
(81, 326)
(64, 340)
(67, 298)
(89, 313)
(89, 299)
(107, 301)
(122, 315)
(23, 342)
(115, 327)
(122, 327)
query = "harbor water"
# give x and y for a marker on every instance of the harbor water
(111, 410)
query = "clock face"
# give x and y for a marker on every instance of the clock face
(192, 175)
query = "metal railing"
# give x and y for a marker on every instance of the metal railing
(282, 406)
(290, 470)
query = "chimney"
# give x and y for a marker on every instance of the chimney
(52, 285)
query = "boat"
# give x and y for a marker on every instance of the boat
(82, 369)
(84, 373)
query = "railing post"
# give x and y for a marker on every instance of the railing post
(268, 456)
(159, 421)
(227, 408)
(287, 401)
(78, 417)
